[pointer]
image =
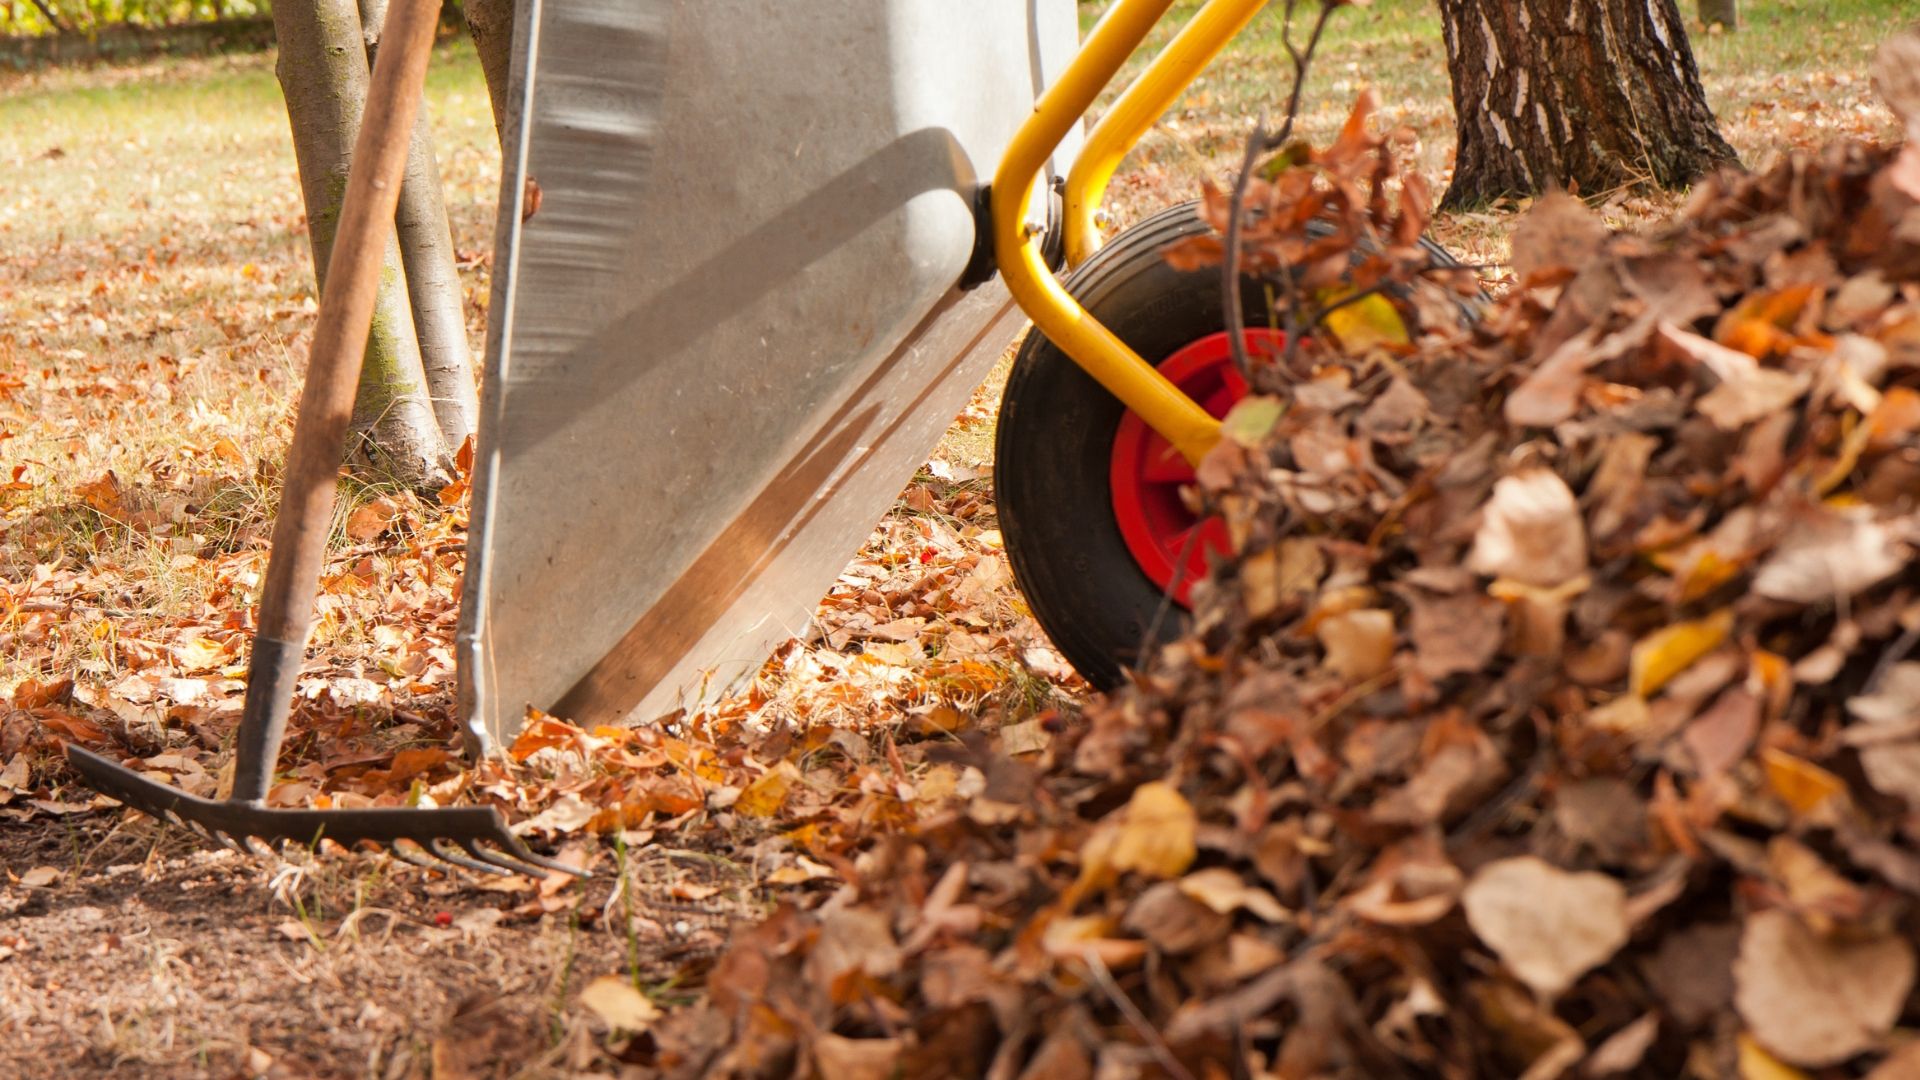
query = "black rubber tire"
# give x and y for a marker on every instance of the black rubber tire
(1054, 445)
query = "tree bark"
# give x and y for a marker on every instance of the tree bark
(491, 24)
(1724, 12)
(1583, 94)
(433, 284)
(323, 74)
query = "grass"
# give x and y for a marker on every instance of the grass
(155, 297)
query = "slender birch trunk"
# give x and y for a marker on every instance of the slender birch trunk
(433, 284)
(491, 24)
(1724, 12)
(323, 74)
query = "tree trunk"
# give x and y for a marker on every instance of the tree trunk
(433, 284)
(491, 24)
(53, 20)
(323, 73)
(1724, 12)
(1583, 94)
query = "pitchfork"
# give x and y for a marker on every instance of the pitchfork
(473, 837)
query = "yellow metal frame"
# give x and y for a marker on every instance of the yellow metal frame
(1017, 247)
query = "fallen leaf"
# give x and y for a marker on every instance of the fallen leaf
(372, 519)
(1815, 1002)
(1548, 926)
(1756, 1064)
(1831, 555)
(1625, 1049)
(769, 791)
(1558, 232)
(1226, 892)
(1174, 922)
(40, 877)
(1802, 785)
(1359, 644)
(1721, 736)
(1661, 655)
(1531, 532)
(1746, 391)
(856, 1059)
(618, 1005)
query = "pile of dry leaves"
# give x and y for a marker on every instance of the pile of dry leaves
(1558, 716)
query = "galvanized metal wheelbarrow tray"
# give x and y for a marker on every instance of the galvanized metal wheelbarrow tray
(745, 275)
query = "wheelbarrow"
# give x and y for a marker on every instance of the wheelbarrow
(774, 249)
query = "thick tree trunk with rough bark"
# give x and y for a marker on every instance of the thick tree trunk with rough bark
(491, 24)
(323, 74)
(433, 284)
(1582, 94)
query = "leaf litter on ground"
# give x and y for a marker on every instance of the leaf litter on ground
(1582, 739)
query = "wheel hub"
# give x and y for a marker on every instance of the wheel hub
(1148, 474)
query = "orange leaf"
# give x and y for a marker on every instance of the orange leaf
(76, 728)
(1800, 784)
(542, 731)
(1661, 655)
(768, 793)
(34, 694)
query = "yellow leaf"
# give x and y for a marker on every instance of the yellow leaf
(1158, 838)
(1627, 715)
(1366, 324)
(1757, 1064)
(1251, 420)
(614, 1000)
(199, 654)
(1801, 784)
(1661, 655)
(767, 794)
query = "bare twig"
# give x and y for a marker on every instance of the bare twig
(1161, 1052)
(1258, 143)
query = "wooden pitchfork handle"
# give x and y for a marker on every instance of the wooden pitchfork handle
(326, 401)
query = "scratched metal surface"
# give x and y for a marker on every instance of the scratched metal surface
(731, 330)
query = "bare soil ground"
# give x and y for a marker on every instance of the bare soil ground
(155, 957)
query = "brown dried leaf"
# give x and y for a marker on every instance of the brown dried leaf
(1531, 532)
(1816, 1002)
(1548, 926)
(1557, 233)
(1359, 644)
(1455, 634)
(1832, 554)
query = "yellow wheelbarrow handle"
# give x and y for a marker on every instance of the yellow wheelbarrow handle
(1017, 246)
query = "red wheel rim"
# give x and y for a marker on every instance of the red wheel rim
(1147, 472)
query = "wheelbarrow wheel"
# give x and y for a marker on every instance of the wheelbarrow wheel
(1089, 496)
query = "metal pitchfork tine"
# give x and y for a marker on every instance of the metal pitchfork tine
(428, 837)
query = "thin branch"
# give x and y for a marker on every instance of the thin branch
(1161, 1052)
(1230, 260)
(1258, 143)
